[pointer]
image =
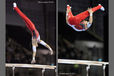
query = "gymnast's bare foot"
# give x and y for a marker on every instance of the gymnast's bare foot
(102, 8)
(14, 4)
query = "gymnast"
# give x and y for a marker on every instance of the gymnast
(78, 22)
(35, 34)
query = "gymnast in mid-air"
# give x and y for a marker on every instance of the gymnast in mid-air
(78, 22)
(35, 34)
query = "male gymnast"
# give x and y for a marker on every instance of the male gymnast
(78, 22)
(35, 34)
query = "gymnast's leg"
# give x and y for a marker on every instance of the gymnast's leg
(28, 22)
(69, 14)
(85, 14)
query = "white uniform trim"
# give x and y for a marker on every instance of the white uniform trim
(73, 26)
(38, 38)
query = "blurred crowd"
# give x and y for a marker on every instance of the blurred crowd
(79, 50)
(15, 53)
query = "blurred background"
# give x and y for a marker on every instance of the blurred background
(88, 45)
(18, 38)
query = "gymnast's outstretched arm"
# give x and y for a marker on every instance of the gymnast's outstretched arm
(89, 23)
(91, 15)
(34, 46)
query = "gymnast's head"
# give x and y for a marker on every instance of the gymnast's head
(84, 24)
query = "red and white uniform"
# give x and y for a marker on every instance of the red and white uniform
(76, 20)
(31, 27)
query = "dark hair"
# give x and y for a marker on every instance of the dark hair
(34, 35)
(82, 25)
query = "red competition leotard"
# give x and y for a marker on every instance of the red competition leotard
(28, 22)
(76, 20)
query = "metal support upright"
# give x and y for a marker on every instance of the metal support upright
(87, 70)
